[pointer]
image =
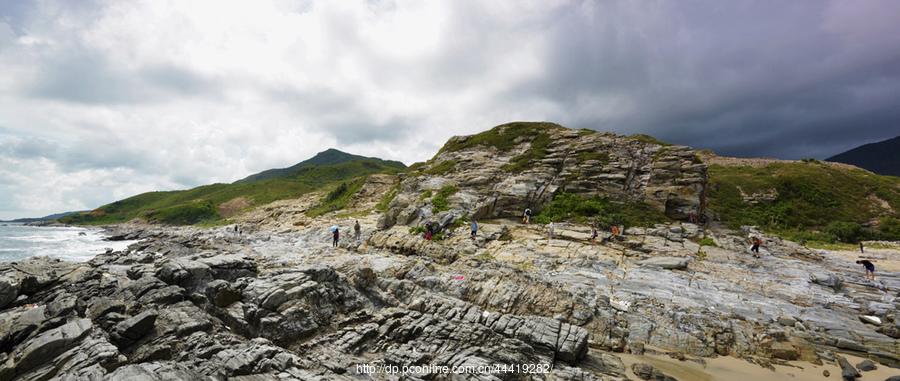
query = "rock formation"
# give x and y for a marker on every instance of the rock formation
(537, 160)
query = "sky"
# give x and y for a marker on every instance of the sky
(101, 100)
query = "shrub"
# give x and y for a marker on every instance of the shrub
(337, 199)
(441, 168)
(571, 207)
(537, 151)
(185, 214)
(706, 241)
(440, 201)
(848, 232)
(385, 201)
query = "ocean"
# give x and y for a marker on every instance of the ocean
(77, 244)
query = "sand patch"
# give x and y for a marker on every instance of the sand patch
(731, 369)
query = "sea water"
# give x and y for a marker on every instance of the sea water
(18, 241)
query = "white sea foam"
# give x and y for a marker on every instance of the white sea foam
(69, 243)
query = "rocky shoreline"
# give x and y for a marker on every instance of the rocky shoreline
(190, 303)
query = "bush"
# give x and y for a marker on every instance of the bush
(441, 168)
(185, 214)
(385, 201)
(440, 200)
(337, 199)
(571, 207)
(889, 229)
(706, 241)
(847, 232)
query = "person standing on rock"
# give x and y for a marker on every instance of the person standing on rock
(550, 230)
(594, 232)
(336, 235)
(526, 217)
(356, 231)
(870, 268)
(861, 247)
(474, 228)
(614, 230)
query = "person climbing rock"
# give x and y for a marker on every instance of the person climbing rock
(755, 242)
(870, 268)
(474, 228)
(526, 217)
(335, 235)
(614, 230)
(594, 232)
(356, 231)
(429, 231)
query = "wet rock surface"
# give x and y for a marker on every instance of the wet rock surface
(195, 304)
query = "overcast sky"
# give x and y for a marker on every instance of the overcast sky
(100, 100)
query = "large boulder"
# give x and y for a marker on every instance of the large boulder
(9, 291)
(829, 280)
(47, 346)
(650, 373)
(500, 172)
(134, 328)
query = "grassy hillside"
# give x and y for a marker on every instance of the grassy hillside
(325, 158)
(807, 201)
(211, 203)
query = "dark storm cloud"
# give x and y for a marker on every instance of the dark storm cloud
(743, 78)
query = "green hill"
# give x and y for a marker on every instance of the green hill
(329, 157)
(806, 200)
(210, 203)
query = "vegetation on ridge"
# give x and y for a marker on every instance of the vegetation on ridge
(807, 201)
(202, 204)
(503, 137)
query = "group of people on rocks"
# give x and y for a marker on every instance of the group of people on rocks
(430, 229)
(336, 233)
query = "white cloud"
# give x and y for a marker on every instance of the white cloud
(104, 99)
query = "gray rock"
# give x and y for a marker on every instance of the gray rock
(866, 366)
(848, 372)
(828, 280)
(156, 371)
(669, 263)
(50, 344)
(134, 328)
(9, 291)
(98, 307)
(650, 373)
(787, 321)
(222, 293)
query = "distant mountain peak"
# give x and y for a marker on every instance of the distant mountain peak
(330, 156)
(881, 157)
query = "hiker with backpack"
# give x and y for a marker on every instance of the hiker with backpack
(526, 217)
(474, 228)
(357, 231)
(335, 235)
(755, 243)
